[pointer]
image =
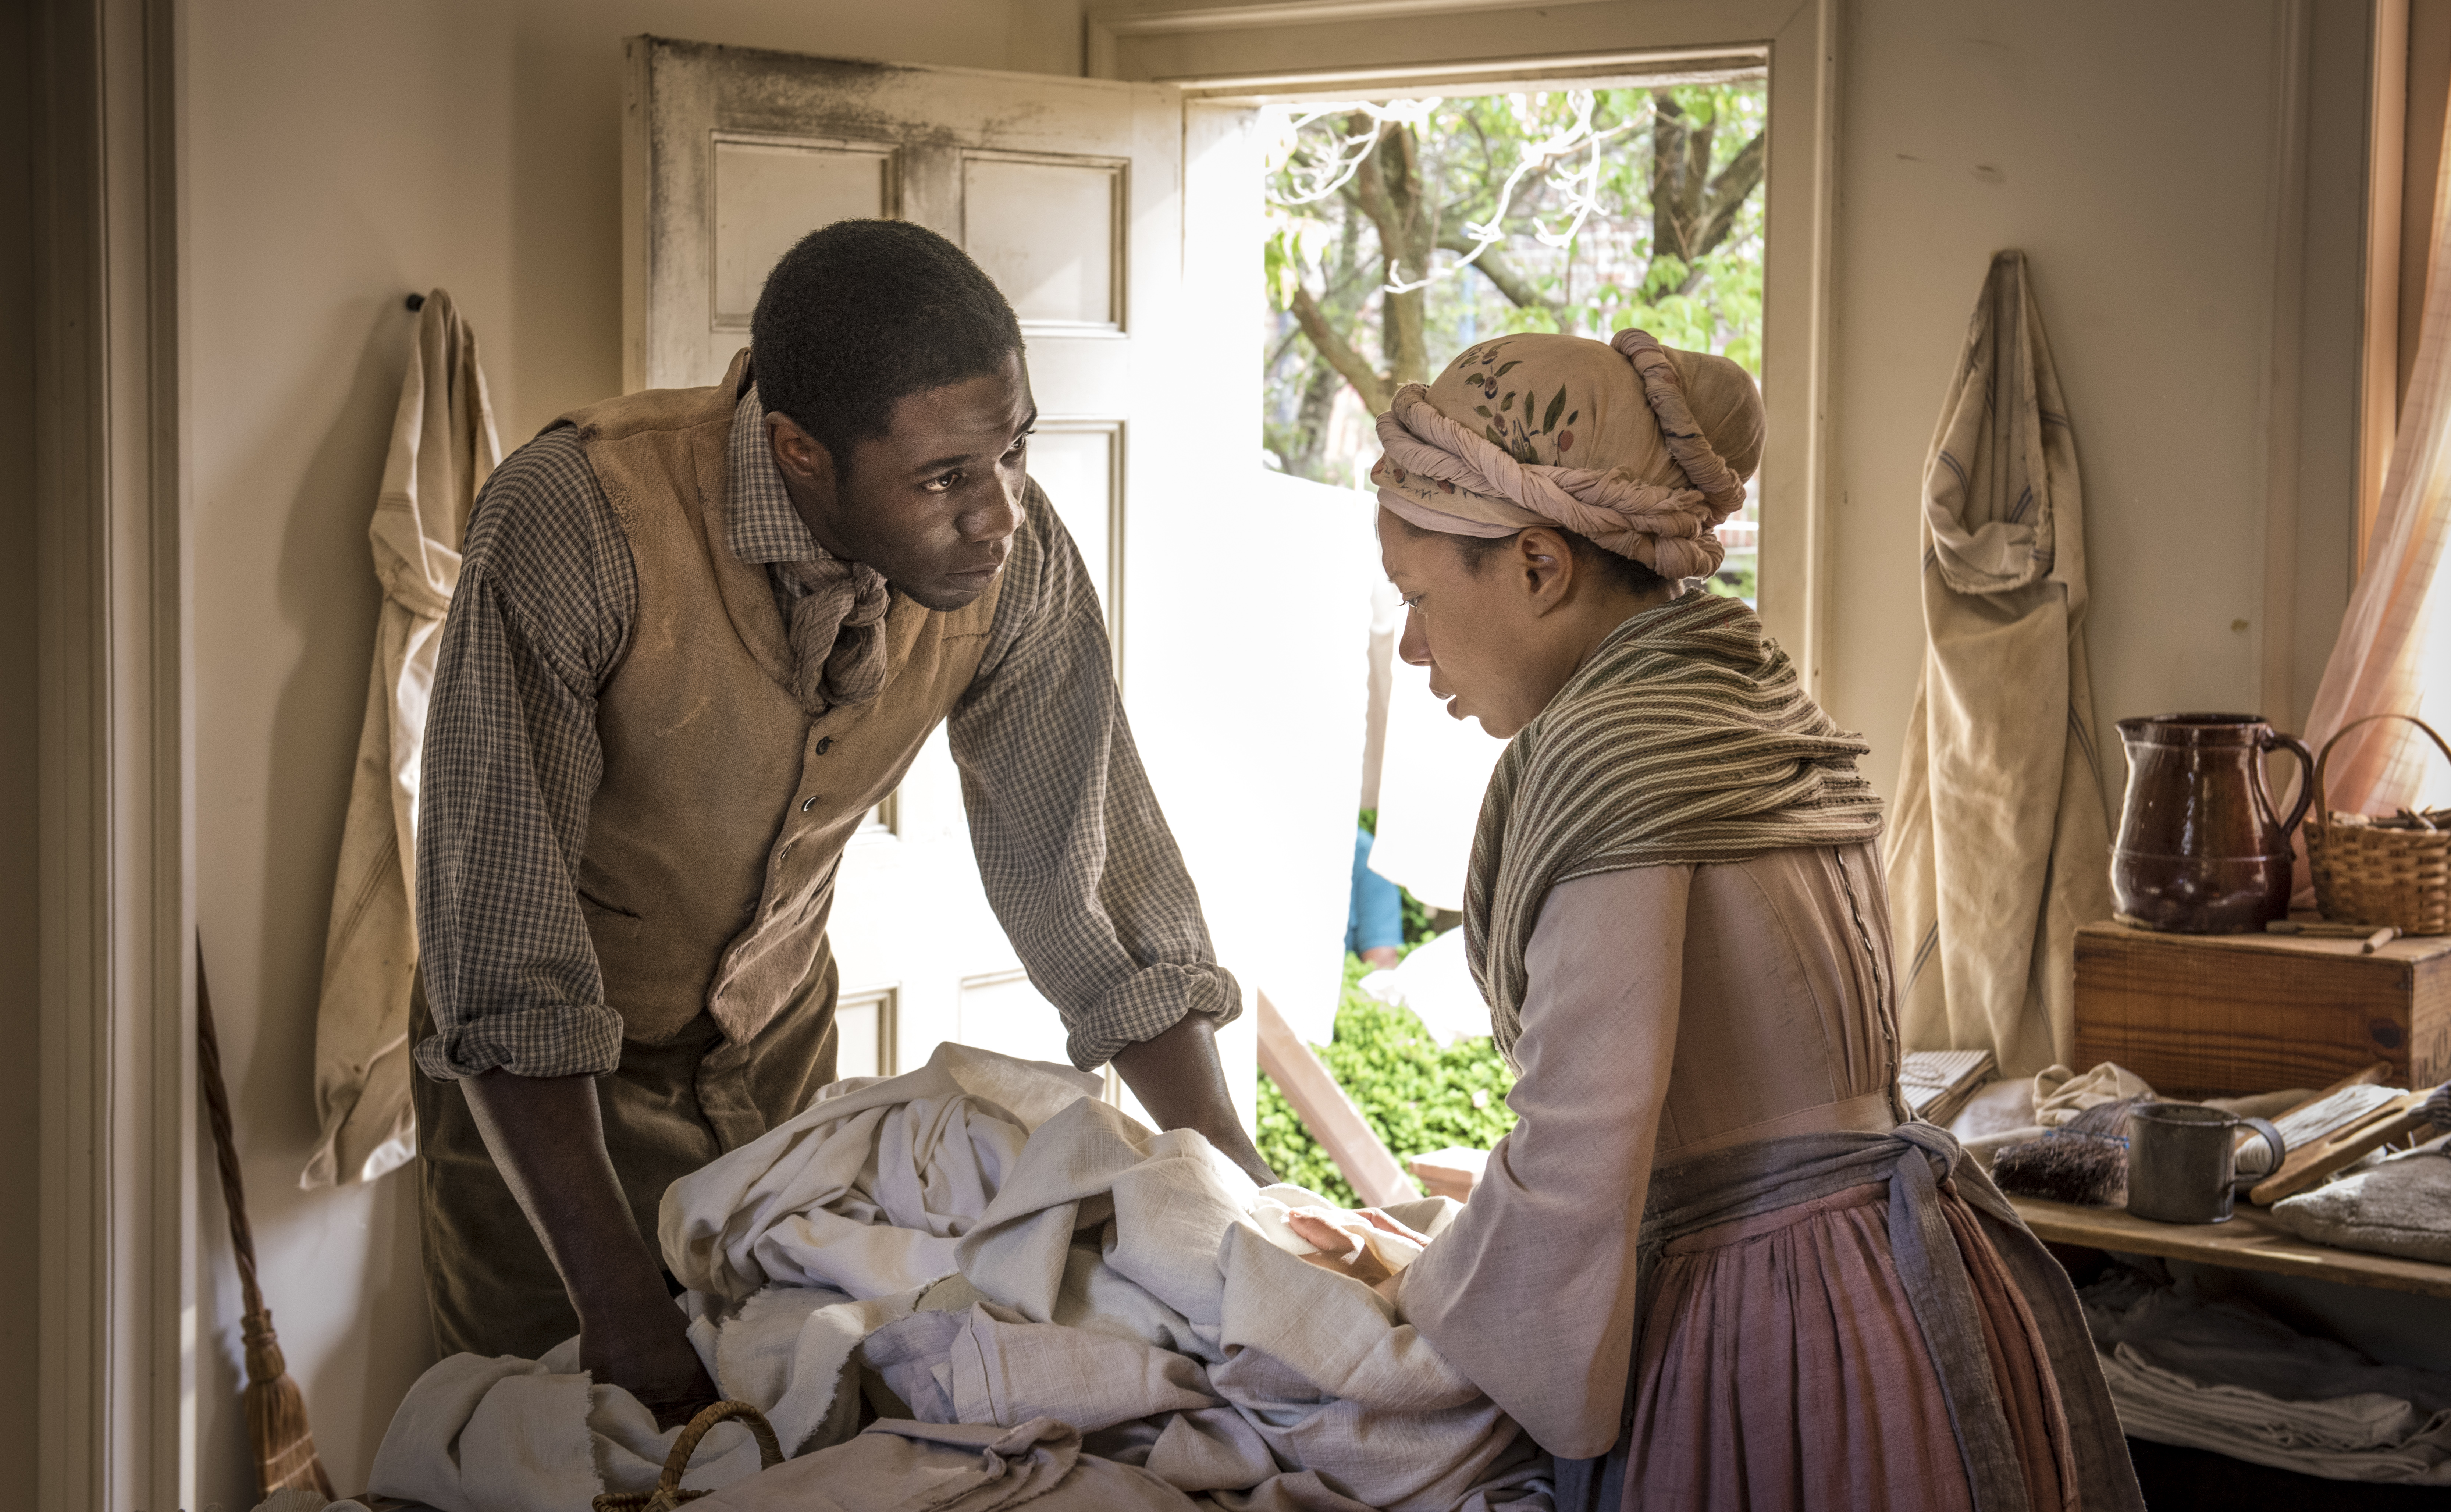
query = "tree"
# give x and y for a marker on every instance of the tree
(1646, 212)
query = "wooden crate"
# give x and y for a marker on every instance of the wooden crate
(2209, 1015)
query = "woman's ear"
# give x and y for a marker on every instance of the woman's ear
(1545, 565)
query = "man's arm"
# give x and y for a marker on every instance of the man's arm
(1075, 856)
(1178, 1078)
(547, 1137)
(512, 759)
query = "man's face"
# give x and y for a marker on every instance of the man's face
(932, 503)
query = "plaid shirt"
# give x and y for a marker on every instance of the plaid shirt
(1074, 853)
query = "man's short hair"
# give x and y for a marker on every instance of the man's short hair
(861, 313)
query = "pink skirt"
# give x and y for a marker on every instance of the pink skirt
(1783, 1370)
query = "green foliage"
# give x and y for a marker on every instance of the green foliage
(1739, 577)
(1691, 153)
(1419, 1095)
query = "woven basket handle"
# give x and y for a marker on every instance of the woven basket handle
(2321, 817)
(668, 1490)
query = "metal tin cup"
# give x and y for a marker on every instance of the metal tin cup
(2183, 1162)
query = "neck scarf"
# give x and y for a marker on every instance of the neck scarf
(832, 609)
(1687, 737)
(838, 647)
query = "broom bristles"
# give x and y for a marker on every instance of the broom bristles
(276, 1409)
(276, 1416)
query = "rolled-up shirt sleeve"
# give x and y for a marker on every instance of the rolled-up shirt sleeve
(511, 763)
(1076, 857)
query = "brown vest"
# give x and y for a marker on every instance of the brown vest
(713, 839)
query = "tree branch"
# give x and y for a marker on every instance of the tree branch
(1501, 274)
(1728, 193)
(1376, 391)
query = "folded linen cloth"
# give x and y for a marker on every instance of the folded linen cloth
(2224, 1375)
(1134, 1285)
(2400, 1206)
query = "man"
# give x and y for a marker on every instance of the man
(699, 634)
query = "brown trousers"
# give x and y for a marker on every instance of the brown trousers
(668, 1108)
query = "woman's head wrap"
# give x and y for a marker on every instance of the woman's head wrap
(1639, 447)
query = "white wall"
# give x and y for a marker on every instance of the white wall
(2130, 150)
(342, 156)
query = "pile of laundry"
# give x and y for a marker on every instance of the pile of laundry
(2222, 1374)
(985, 1243)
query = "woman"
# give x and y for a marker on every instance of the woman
(1715, 1266)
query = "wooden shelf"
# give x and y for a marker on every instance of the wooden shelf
(2250, 1241)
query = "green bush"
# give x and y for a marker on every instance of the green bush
(1418, 1095)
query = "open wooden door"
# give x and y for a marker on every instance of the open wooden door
(1071, 193)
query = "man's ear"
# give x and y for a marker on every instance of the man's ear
(1546, 567)
(804, 459)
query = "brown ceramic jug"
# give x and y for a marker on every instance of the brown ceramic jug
(2201, 851)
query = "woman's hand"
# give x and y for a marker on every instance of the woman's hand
(1348, 1253)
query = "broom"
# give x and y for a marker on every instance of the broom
(275, 1410)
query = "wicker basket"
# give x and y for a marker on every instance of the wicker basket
(668, 1493)
(2368, 874)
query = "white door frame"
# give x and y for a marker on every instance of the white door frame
(1284, 48)
(115, 1064)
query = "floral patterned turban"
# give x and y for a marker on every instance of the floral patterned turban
(1641, 447)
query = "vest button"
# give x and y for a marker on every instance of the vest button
(808, 803)
(825, 743)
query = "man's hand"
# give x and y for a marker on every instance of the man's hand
(1178, 1079)
(547, 1138)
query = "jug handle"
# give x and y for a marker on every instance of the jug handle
(2272, 1135)
(2306, 778)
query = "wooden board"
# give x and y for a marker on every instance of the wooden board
(2250, 1241)
(1328, 1113)
(2226, 1014)
(2344, 1146)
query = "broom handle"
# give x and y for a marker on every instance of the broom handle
(208, 1065)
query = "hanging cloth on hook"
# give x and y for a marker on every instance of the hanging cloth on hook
(443, 450)
(2000, 846)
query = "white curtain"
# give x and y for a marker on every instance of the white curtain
(2394, 650)
(442, 449)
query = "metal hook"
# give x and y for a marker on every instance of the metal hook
(415, 303)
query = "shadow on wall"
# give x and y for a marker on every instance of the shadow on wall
(339, 1268)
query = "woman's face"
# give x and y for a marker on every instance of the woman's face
(1495, 645)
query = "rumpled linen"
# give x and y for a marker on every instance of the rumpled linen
(2002, 847)
(952, 1467)
(2227, 1376)
(983, 1242)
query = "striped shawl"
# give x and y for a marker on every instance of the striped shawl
(1686, 738)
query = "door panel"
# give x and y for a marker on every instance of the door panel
(768, 192)
(1076, 462)
(1045, 229)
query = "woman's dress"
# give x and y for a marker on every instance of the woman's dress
(1671, 1011)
